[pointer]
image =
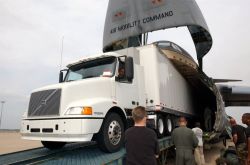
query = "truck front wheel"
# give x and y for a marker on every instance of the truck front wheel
(53, 145)
(111, 135)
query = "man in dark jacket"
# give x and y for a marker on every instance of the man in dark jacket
(185, 142)
(141, 142)
(239, 139)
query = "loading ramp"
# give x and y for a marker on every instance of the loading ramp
(77, 154)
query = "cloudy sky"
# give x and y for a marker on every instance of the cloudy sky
(31, 32)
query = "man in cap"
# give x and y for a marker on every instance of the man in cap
(185, 142)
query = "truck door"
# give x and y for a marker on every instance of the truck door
(139, 72)
(127, 92)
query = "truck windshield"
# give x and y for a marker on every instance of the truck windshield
(103, 67)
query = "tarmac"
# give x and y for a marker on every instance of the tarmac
(10, 141)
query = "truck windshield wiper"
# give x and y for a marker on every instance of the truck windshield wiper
(69, 80)
(89, 76)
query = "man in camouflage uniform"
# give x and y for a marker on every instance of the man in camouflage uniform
(185, 142)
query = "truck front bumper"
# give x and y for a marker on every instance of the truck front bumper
(65, 130)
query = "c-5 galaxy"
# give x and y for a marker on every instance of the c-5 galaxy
(93, 101)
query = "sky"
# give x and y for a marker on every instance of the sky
(31, 33)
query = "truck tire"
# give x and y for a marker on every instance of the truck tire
(160, 126)
(53, 145)
(169, 125)
(111, 135)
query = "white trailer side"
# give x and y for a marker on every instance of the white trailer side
(164, 85)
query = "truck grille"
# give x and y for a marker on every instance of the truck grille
(45, 103)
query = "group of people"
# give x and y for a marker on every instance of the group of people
(241, 138)
(142, 146)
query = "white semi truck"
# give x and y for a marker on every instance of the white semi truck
(94, 102)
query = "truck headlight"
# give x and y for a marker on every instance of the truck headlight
(79, 111)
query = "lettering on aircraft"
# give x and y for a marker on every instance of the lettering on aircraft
(145, 20)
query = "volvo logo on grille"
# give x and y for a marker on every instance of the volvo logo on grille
(44, 102)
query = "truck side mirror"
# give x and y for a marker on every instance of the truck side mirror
(61, 76)
(129, 68)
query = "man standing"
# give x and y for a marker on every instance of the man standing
(141, 142)
(185, 142)
(246, 120)
(198, 152)
(239, 139)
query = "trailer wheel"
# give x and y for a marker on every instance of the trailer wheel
(160, 126)
(111, 135)
(169, 125)
(53, 145)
